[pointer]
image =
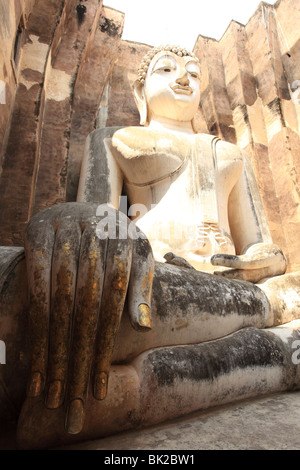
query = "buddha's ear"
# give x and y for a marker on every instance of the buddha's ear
(195, 125)
(140, 100)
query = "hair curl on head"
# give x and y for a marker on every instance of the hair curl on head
(142, 71)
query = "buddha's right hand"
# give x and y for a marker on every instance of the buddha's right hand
(78, 281)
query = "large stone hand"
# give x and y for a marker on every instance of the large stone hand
(78, 280)
(260, 261)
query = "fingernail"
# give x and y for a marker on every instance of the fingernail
(100, 385)
(75, 417)
(144, 316)
(35, 385)
(55, 394)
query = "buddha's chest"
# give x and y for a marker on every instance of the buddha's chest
(161, 167)
(149, 157)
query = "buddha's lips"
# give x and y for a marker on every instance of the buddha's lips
(184, 90)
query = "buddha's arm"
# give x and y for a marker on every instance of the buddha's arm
(101, 182)
(76, 270)
(256, 256)
(101, 179)
(243, 220)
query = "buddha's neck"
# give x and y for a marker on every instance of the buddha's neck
(184, 127)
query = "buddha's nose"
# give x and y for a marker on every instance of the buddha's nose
(183, 80)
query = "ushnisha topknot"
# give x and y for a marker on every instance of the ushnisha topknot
(142, 71)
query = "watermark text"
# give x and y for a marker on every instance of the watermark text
(296, 354)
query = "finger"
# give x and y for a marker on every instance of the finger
(87, 306)
(250, 275)
(39, 242)
(64, 275)
(118, 264)
(246, 261)
(140, 285)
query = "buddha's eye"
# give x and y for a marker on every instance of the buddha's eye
(194, 75)
(164, 65)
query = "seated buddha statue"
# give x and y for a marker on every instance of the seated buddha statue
(191, 188)
(121, 325)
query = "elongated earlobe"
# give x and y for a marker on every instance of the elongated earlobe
(140, 100)
(194, 125)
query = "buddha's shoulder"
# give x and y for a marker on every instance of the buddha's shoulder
(133, 137)
(134, 141)
(224, 150)
(228, 151)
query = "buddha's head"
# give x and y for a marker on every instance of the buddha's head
(168, 87)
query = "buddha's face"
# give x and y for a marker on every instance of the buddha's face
(172, 87)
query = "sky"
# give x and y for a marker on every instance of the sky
(179, 22)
